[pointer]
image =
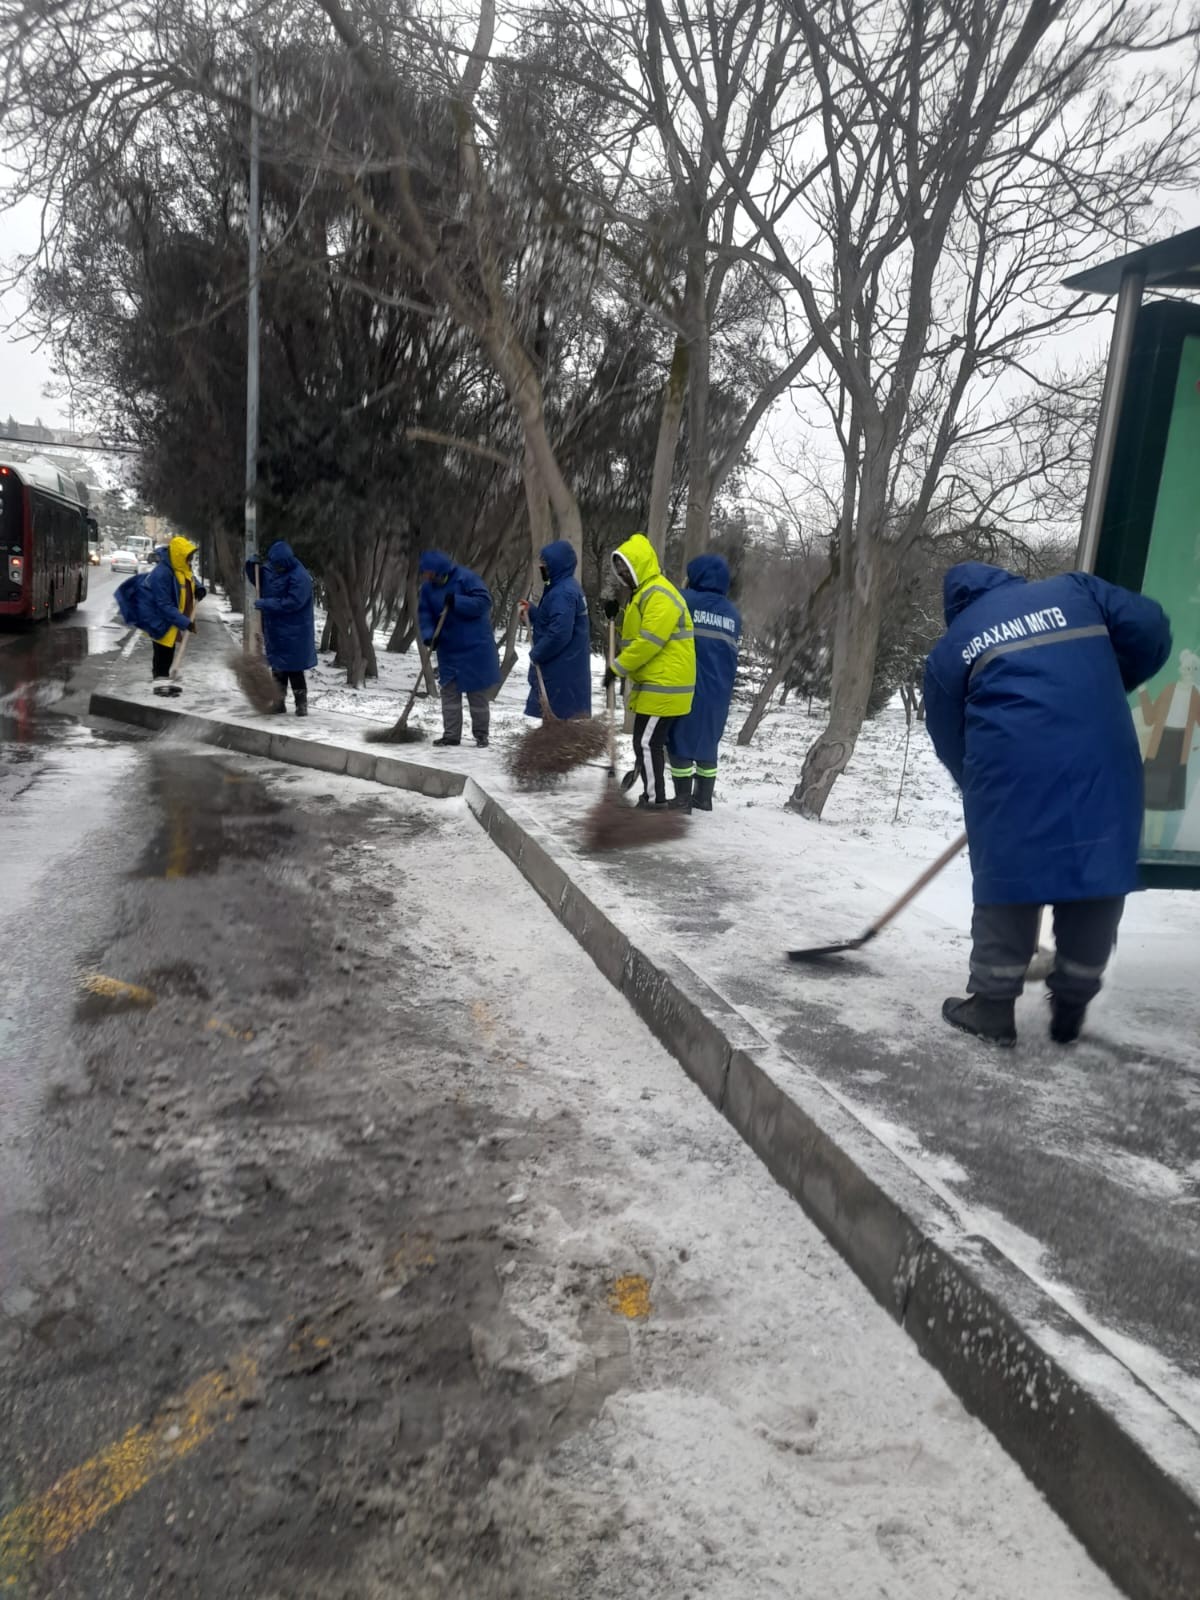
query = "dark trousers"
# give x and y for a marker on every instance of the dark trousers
(650, 733)
(164, 655)
(1004, 941)
(452, 713)
(298, 682)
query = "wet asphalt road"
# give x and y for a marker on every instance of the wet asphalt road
(226, 1366)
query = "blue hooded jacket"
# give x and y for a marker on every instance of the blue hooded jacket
(466, 647)
(150, 600)
(286, 603)
(718, 630)
(1025, 701)
(560, 639)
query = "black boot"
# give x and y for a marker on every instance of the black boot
(992, 1020)
(301, 708)
(646, 804)
(1066, 1019)
(683, 793)
(444, 743)
(481, 740)
(703, 797)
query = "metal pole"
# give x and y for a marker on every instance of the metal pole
(250, 622)
(1129, 298)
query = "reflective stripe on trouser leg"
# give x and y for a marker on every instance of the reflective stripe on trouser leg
(1003, 941)
(686, 771)
(1084, 934)
(705, 772)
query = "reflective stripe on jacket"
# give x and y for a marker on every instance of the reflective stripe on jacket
(658, 651)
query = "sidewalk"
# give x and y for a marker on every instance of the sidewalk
(1033, 1217)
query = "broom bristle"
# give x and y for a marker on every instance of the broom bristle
(554, 749)
(255, 680)
(613, 825)
(399, 733)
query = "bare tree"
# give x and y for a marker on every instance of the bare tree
(970, 153)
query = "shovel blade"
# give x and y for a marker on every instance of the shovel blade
(818, 952)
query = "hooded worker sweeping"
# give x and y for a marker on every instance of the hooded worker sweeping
(693, 741)
(657, 658)
(468, 661)
(285, 602)
(1025, 704)
(561, 647)
(162, 603)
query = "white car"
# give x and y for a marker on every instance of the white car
(123, 561)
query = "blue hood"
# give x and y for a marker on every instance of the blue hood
(281, 556)
(559, 559)
(710, 572)
(437, 562)
(964, 584)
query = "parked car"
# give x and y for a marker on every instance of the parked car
(123, 561)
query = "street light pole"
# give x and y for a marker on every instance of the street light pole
(250, 622)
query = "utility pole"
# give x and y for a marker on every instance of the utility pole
(250, 617)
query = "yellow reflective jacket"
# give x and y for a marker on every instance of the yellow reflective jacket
(658, 654)
(179, 552)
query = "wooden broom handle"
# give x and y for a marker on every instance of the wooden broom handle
(914, 889)
(612, 698)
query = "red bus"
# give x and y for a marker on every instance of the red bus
(43, 541)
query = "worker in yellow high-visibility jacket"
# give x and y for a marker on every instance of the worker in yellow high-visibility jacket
(657, 658)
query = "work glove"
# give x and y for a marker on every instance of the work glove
(610, 676)
(187, 626)
(611, 607)
(449, 606)
(201, 593)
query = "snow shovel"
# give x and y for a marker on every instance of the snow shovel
(817, 952)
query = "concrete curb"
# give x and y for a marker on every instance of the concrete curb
(352, 761)
(1111, 1458)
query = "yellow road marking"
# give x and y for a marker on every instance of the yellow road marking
(118, 989)
(215, 1025)
(630, 1297)
(80, 1499)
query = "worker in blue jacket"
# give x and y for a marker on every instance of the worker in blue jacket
(468, 661)
(694, 739)
(1025, 701)
(561, 647)
(285, 602)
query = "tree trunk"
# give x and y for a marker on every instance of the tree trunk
(670, 423)
(509, 659)
(351, 655)
(329, 635)
(762, 699)
(855, 644)
(699, 476)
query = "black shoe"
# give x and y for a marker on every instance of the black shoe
(482, 743)
(445, 744)
(992, 1020)
(280, 710)
(702, 799)
(683, 795)
(162, 688)
(1066, 1019)
(646, 804)
(301, 708)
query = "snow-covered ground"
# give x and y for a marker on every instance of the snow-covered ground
(763, 1430)
(1082, 1166)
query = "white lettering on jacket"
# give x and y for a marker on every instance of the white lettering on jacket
(714, 619)
(1031, 623)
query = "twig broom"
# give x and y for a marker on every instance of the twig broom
(611, 824)
(559, 746)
